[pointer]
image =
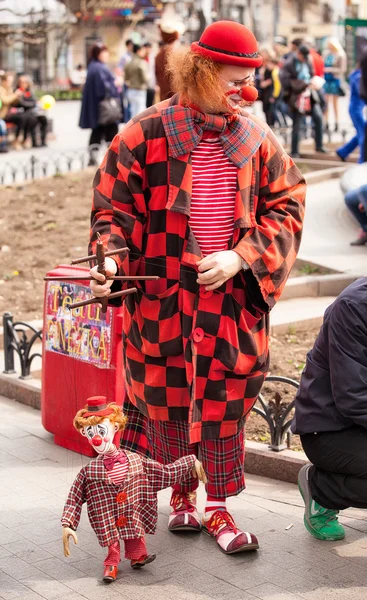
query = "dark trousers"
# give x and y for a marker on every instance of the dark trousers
(25, 122)
(150, 97)
(316, 116)
(338, 478)
(353, 199)
(42, 122)
(103, 132)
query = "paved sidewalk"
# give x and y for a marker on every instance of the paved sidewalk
(328, 230)
(35, 477)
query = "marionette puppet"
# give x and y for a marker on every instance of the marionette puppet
(119, 487)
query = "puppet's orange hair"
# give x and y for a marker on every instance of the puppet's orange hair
(116, 417)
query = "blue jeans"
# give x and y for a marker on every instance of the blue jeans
(3, 134)
(358, 139)
(137, 100)
(353, 199)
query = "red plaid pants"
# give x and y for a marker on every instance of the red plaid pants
(134, 549)
(166, 441)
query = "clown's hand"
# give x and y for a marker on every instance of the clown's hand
(66, 533)
(215, 269)
(198, 471)
(103, 288)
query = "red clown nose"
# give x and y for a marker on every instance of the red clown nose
(249, 93)
(97, 440)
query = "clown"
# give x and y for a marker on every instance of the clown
(120, 489)
(205, 197)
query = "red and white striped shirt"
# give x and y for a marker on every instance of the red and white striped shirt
(120, 469)
(214, 181)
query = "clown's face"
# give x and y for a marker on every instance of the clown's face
(233, 80)
(101, 436)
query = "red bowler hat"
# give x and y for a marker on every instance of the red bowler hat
(97, 407)
(229, 43)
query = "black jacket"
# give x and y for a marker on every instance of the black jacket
(291, 85)
(333, 390)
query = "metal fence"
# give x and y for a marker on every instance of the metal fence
(37, 167)
(19, 338)
(273, 404)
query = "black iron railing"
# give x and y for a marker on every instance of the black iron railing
(274, 403)
(19, 338)
(55, 164)
(276, 409)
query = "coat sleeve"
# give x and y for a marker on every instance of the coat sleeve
(270, 248)
(118, 208)
(8, 99)
(347, 335)
(29, 102)
(164, 476)
(76, 498)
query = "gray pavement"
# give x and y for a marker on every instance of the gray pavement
(328, 230)
(35, 476)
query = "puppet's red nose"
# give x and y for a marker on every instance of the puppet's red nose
(97, 440)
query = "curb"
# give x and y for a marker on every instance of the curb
(324, 175)
(284, 465)
(25, 391)
(304, 325)
(317, 285)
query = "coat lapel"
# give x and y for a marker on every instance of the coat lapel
(97, 471)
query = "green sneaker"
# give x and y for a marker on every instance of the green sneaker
(320, 522)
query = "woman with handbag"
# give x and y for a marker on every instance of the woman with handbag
(101, 109)
(335, 66)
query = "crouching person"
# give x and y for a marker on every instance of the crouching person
(331, 415)
(119, 487)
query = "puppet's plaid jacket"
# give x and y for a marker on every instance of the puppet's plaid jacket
(189, 354)
(126, 511)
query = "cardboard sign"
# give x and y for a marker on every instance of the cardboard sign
(83, 333)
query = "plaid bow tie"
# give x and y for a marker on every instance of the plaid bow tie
(184, 128)
(109, 462)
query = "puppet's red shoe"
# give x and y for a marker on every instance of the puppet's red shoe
(138, 564)
(110, 573)
(221, 526)
(184, 516)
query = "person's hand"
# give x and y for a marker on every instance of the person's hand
(66, 533)
(361, 207)
(19, 93)
(100, 291)
(198, 471)
(215, 269)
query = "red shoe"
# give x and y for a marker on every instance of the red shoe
(184, 516)
(138, 564)
(221, 526)
(110, 573)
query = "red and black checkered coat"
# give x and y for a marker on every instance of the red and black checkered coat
(193, 355)
(125, 511)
